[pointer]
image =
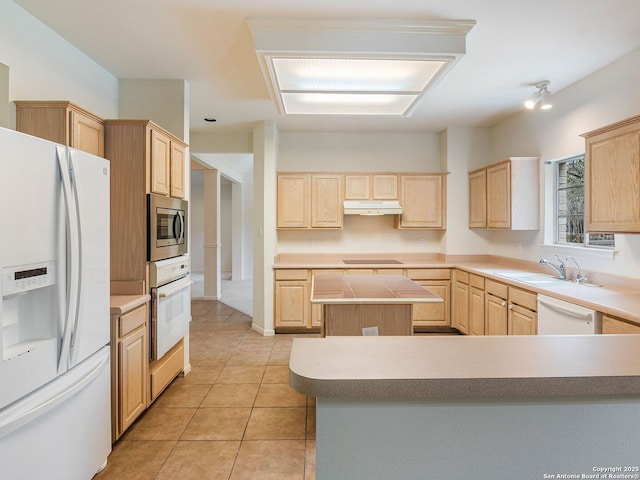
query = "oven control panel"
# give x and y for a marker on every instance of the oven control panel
(164, 271)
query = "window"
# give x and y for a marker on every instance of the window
(570, 207)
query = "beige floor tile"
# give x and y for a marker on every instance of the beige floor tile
(276, 374)
(231, 395)
(279, 395)
(279, 356)
(182, 396)
(200, 375)
(270, 460)
(161, 423)
(250, 358)
(136, 460)
(310, 460)
(217, 424)
(241, 374)
(276, 424)
(210, 460)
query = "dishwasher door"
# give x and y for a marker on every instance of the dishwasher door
(557, 317)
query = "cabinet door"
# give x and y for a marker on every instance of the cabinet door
(292, 304)
(611, 325)
(356, 187)
(478, 199)
(422, 199)
(522, 321)
(133, 376)
(499, 196)
(177, 170)
(495, 315)
(612, 179)
(385, 186)
(326, 201)
(476, 311)
(160, 163)
(87, 134)
(293, 200)
(462, 307)
(433, 314)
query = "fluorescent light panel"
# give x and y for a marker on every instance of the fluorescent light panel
(352, 86)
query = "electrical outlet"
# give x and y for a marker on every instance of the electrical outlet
(421, 242)
(370, 332)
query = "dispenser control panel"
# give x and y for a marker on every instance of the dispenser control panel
(22, 278)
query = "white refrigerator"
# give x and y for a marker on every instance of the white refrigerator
(55, 413)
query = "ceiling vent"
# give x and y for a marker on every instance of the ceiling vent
(355, 67)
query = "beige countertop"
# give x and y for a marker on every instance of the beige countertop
(620, 298)
(125, 303)
(466, 366)
(333, 288)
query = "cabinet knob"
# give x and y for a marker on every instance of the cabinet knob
(503, 303)
(510, 307)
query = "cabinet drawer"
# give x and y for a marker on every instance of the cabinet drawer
(462, 277)
(130, 321)
(292, 274)
(523, 298)
(429, 273)
(166, 369)
(476, 281)
(613, 325)
(497, 289)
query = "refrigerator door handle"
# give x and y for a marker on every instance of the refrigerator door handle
(73, 259)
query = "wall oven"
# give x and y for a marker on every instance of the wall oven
(170, 303)
(167, 227)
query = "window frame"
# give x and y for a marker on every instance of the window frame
(586, 244)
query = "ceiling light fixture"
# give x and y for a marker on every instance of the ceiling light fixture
(355, 67)
(542, 98)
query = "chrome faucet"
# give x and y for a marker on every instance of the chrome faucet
(579, 277)
(560, 268)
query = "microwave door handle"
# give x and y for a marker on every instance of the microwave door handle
(181, 235)
(178, 227)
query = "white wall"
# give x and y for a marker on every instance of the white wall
(609, 95)
(44, 66)
(359, 152)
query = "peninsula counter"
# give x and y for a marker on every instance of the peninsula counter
(471, 407)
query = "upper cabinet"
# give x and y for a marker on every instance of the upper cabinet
(422, 197)
(160, 154)
(374, 186)
(309, 200)
(61, 122)
(505, 195)
(612, 177)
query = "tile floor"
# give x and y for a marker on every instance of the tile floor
(233, 417)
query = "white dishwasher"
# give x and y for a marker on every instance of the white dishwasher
(557, 317)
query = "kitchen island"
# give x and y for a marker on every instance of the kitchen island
(471, 407)
(379, 304)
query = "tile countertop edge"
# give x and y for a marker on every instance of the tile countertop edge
(120, 304)
(348, 367)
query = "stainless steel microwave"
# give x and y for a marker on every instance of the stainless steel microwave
(167, 227)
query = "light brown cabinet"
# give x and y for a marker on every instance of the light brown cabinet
(612, 177)
(438, 281)
(509, 198)
(141, 154)
(309, 200)
(129, 361)
(373, 186)
(469, 303)
(422, 197)
(509, 310)
(292, 306)
(613, 325)
(62, 122)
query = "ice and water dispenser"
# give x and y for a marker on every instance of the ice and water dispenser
(29, 310)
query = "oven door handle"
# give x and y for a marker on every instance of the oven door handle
(168, 293)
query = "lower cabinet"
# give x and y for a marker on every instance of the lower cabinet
(292, 306)
(613, 325)
(438, 281)
(130, 376)
(509, 310)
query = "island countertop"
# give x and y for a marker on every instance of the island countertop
(466, 366)
(330, 288)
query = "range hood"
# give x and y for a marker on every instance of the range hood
(372, 207)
